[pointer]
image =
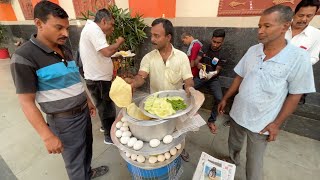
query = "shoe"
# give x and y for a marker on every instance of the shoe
(99, 171)
(185, 155)
(101, 129)
(108, 140)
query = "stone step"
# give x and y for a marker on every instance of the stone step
(302, 126)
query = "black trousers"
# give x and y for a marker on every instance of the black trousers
(75, 133)
(99, 91)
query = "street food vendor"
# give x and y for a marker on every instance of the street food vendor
(167, 67)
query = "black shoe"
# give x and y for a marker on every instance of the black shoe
(101, 129)
(99, 171)
(108, 140)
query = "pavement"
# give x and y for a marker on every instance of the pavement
(23, 155)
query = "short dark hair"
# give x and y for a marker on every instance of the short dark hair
(45, 8)
(306, 3)
(103, 13)
(185, 34)
(219, 33)
(285, 12)
(167, 25)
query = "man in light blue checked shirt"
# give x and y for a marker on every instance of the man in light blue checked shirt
(271, 78)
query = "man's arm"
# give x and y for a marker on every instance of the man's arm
(314, 52)
(196, 62)
(91, 106)
(34, 116)
(231, 91)
(110, 50)
(187, 84)
(287, 109)
(138, 80)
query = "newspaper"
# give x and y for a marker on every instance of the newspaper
(210, 168)
(191, 121)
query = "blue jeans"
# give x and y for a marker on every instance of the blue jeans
(215, 89)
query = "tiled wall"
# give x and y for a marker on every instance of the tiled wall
(237, 41)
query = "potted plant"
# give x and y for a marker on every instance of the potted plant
(4, 53)
(131, 28)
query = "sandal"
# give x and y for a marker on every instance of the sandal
(213, 128)
(185, 155)
(99, 171)
(227, 123)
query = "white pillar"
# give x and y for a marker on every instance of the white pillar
(17, 10)
(124, 4)
(67, 5)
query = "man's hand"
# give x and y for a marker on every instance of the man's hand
(91, 107)
(221, 106)
(120, 40)
(200, 66)
(131, 82)
(273, 130)
(53, 145)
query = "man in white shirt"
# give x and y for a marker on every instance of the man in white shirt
(301, 34)
(270, 80)
(95, 53)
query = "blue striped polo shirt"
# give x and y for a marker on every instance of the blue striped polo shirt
(54, 79)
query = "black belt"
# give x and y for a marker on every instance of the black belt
(74, 111)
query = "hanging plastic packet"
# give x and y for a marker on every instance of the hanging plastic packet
(215, 61)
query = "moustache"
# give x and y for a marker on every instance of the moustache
(154, 44)
(63, 38)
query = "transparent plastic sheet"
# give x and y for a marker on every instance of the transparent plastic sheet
(174, 170)
(191, 121)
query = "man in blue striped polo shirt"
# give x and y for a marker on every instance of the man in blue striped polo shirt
(43, 70)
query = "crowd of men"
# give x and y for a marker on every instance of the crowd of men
(270, 80)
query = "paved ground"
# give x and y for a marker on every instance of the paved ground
(23, 156)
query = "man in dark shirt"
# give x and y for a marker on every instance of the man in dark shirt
(210, 63)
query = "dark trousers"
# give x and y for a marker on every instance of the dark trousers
(75, 134)
(215, 89)
(99, 91)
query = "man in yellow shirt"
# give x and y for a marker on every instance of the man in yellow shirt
(167, 67)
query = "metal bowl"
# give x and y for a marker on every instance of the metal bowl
(188, 100)
(149, 129)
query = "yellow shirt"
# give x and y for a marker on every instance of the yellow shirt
(169, 75)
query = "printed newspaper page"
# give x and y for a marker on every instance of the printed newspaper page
(210, 168)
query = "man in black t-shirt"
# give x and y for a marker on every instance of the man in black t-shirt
(210, 62)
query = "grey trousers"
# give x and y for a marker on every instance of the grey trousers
(75, 134)
(256, 146)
